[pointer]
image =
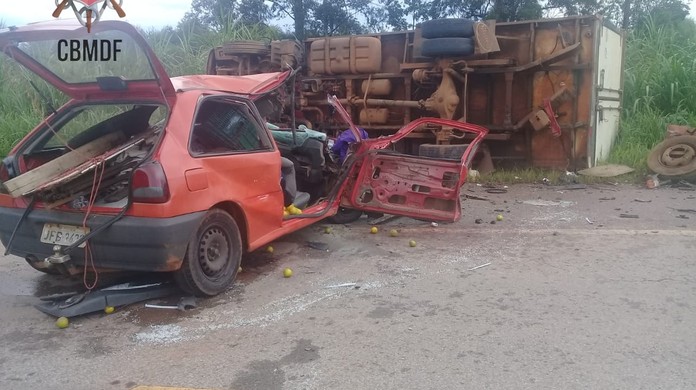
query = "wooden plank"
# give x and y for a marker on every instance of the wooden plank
(28, 181)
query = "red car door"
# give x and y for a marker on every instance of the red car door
(382, 180)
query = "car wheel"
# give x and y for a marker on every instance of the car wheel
(448, 47)
(345, 215)
(213, 256)
(441, 28)
(674, 157)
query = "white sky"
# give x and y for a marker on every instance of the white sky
(143, 13)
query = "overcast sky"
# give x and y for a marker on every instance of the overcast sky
(144, 13)
(147, 13)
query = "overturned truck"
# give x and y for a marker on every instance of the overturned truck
(548, 90)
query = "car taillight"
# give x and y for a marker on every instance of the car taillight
(149, 184)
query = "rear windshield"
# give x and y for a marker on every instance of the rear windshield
(124, 58)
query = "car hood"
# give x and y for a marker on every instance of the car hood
(134, 71)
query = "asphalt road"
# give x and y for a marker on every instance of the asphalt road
(564, 293)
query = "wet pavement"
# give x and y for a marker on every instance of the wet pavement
(575, 288)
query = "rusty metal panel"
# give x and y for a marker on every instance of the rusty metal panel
(542, 65)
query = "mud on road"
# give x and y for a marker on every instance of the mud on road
(575, 288)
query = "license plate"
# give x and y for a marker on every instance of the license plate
(63, 235)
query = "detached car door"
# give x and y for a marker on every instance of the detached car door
(420, 187)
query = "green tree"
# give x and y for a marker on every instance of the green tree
(216, 14)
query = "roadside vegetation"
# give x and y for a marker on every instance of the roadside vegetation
(659, 88)
(660, 84)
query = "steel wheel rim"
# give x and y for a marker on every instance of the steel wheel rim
(678, 155)
(213, 251)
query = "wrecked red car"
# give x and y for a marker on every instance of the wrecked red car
(139, 171)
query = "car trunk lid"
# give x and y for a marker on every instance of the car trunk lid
(66, 56)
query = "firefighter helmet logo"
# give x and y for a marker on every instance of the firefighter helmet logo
(88, 12)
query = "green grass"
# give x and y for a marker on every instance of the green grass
(659, 89)
(660, 86)
(183, 51)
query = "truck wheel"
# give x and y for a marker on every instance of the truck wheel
(213, 256)
(448, 47)
(445, 152)
(675, 156)
(441, 28)
(345, 215)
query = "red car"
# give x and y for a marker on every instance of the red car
(140, 171)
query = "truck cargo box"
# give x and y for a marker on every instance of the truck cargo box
(549, 90)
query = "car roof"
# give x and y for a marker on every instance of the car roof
(246, 85)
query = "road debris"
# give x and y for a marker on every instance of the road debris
(478, 221)
(682, 216)
(642, 200)
(322, 246)
(609, 170)
(479, 266)
(683, 210)
(385, 219)
(612, 198)
(185, 303)
(652, 182)
(629, 216)
(476, 197)
(496, 190)
(570, 177)
(355, 285)
(589, 221)
(434, 224)
(72, 305)
(539, 202)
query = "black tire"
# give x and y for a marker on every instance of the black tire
(213, 256)
(674, 157)
(345, 215)
(444, 152)
(448, 47)
(445, 28)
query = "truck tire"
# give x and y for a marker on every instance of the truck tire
(443, 152)
(448, 47)
(443, 28)
(674, 157)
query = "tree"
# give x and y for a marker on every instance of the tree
(216, 14)
(509, 10)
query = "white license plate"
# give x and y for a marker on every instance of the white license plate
(64, 235)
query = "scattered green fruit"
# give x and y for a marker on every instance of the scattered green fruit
(287, 272)
(412, 243)
(269, 249)
(393, 232)
(374, 230)
(499, 217)
(109, 309)
(62, 322)
(328, 230)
